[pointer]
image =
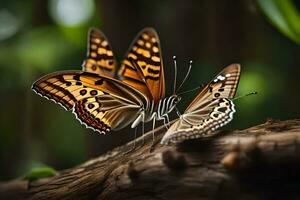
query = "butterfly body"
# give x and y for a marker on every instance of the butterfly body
(161, 110)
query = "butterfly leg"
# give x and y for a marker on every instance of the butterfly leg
(166, 121)
(143, 129)
(153, 136)
(140, 118)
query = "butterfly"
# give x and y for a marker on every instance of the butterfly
(104, 97)
(210, 110)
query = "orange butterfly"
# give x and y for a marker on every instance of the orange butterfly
(105, 100)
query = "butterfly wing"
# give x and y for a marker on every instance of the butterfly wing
(100, 102)
(148, 75)
(210, 109)
(224, 85)
(100, 58)
(105, 112)
(201, 123)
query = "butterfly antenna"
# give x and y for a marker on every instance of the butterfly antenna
(177, 111)
(251, 93)
(191, 90)
(175, 74)
(187, 74)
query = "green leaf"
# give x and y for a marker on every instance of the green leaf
(284, 15)
(39, 172)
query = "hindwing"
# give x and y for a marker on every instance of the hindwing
(201, 123)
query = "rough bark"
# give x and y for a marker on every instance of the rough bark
(261, 162)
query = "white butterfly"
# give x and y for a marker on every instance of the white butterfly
(211, 109)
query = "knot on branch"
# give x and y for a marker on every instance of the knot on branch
(132, 173)
(173, 160)
(242, 157)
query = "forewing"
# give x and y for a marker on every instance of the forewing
(224, 85)
(78, 90)
(201, 123)
(100, 58)
(146, 52)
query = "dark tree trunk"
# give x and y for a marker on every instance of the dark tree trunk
(261, 162)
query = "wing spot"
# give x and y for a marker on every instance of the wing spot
(221, 78)
(148, 45)
(153, 40)
(140, 42)
(68, 83)
(94, 67)
(155, 49)
(131, 55)
(93, 46)
(78, 83)
(90, 106)
(83, 92)
(96, 40)
(155, 59)
(110, 62)
(93, 55)
(217, 95)
(99, 82)
(104, 43)
(143, 52)
(145, 36)
(215, 115)
(102, 51)
(222, 109)
(93, 92)
(109, 53)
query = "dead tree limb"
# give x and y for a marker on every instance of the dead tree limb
(261, 162)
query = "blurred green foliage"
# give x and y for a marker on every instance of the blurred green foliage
(284, 15)
(39, 37)
(39, 172)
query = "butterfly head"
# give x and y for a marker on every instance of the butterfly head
(174, 100)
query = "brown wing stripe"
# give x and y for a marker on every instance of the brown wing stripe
(149, 70)
(146, 60)
(152, 52)
(135, 80)
(85, 117)
(153, 71)
(55, 97)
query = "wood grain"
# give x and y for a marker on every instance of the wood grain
(261, 162)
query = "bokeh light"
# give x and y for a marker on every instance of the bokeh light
(9, 24)
(71, 13)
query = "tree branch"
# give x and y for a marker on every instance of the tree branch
(255, 163)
